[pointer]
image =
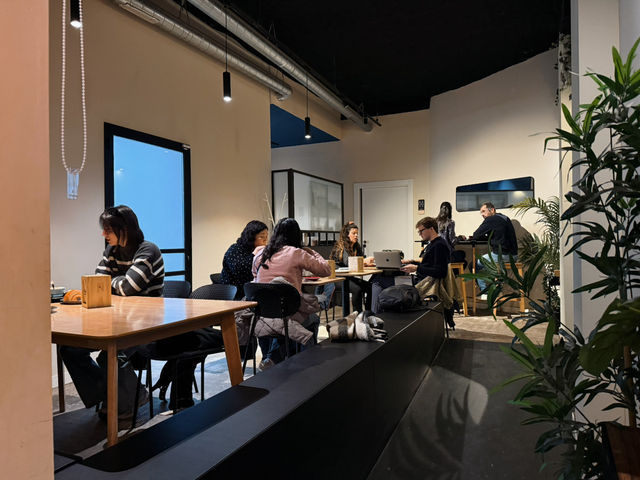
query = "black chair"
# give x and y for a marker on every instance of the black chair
(215, 291)
(275, 300)
(206, 292)
(176, 289)
(215, 277)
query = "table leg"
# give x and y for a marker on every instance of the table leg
(61, 405)
(231, 348)
(112, 395)
(346, 300)
(473, 282)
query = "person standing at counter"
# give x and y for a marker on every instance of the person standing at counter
(136, 268)
(499, 229)
(446, 225)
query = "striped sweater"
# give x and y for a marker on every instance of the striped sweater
(134, 273)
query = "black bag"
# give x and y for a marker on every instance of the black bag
(399, 298)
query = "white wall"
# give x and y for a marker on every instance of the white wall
(494, 129)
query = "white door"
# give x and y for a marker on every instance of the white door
(384, 214)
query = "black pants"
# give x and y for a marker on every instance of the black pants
(181, 392)
(358, 288)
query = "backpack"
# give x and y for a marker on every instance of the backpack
(399, 298)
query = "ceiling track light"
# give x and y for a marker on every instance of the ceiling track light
(226, 76)
(74, 14)
(307, 120)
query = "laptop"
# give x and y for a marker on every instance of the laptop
(388, 260)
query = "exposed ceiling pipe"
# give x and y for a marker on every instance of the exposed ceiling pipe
(243, 31)
(192, 38)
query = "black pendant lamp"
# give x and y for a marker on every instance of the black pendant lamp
(226, 76)
(307, 120)
(74, 14)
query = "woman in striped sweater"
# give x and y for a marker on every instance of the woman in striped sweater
(136, 268)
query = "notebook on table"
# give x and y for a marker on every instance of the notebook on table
(388, 260)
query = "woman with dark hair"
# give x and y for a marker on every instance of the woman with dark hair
(285, 257)
(136, 268)
(446, 225)
(348, 246)
(237, 261)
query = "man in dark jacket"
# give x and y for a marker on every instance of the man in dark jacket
(502, 236)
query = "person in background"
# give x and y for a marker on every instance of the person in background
(434, 257)
(348, 246)
(238, 260)
(433, 265)
(285, 257)
(236, 270)
(446, 225)
(136, 267)
(502, 235)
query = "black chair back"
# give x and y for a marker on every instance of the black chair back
(176, 289)
(275, 300)
(215, 277)
(215, 291)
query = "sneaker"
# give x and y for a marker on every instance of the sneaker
(266, 364)
(483, 296)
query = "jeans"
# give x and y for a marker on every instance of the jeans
(274, 348)
(482, 284)
(90, 378)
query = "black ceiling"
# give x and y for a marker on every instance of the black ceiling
(389, 57)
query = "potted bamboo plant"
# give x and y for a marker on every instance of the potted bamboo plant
(565, 374)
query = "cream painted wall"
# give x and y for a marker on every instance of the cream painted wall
(397, 151)
(494, 129)
(25, 397)
(141, 78)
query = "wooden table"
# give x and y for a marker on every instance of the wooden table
(321, 281)
(132, 321)
(346, 302)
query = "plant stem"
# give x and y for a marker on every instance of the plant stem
(627, 365)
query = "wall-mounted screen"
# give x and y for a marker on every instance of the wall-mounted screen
(502, 193)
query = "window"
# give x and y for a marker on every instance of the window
(152, 176)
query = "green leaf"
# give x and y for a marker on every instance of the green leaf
(533, 350)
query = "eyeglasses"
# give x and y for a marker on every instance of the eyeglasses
(420, 230)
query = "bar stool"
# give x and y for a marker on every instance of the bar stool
(458, 268)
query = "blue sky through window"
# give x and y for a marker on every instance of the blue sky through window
(150, 179)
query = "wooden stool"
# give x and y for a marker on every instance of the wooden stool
(521, 299)
(458, 268)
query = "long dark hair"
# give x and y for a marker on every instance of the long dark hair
(344, 243)
(124, 223)
(248, 236)
(445, 213)
(286, 233)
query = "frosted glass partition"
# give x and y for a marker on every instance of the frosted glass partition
(280, 195)
(316, 202)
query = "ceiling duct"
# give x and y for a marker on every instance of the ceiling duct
(240, 29)
(196, 40)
